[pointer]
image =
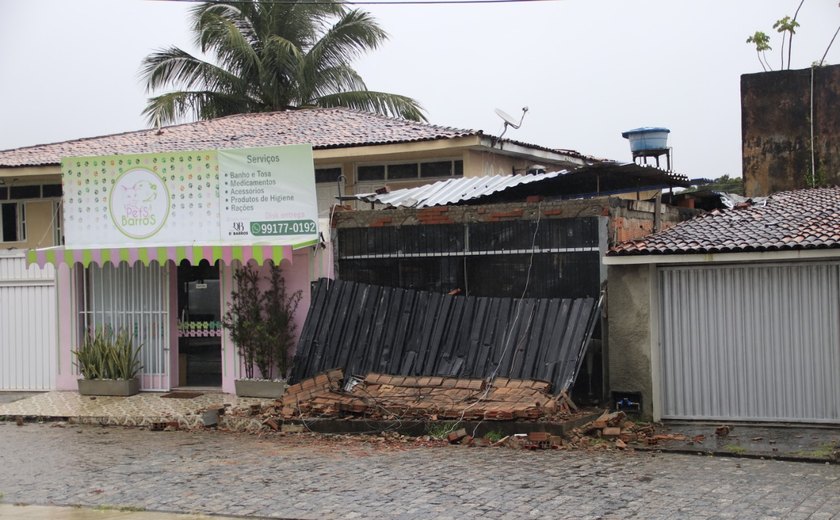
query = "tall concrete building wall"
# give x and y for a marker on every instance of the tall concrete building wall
(776, 129)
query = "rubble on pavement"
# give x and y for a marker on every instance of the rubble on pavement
(451, 401)
(380, 396)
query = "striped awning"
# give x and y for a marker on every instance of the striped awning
(227, 253)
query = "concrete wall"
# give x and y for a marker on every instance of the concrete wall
(630, 330)
(776, 129)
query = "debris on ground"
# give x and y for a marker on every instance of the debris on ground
(615, 430)
(387, 397)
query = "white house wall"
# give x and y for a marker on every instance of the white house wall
(750, 342)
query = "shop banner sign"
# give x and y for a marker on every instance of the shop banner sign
(267, 195)
(179, 198)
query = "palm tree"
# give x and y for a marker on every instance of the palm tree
(269, 56)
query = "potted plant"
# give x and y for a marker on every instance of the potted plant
(262, 327)
(109, 363)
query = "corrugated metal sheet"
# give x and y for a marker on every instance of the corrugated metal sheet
(452, 191)
(367, 328)
(751, 342)
(28, 333)
(602, 178)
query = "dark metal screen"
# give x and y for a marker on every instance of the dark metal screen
(480, 258)
(366, 328)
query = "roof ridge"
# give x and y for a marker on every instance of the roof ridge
(200, 122)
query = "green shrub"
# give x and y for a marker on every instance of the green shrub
(108, 355)
(494, 436)
(261, 322)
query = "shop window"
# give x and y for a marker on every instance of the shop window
(402, 171)
(58, 223)
(415, 170)
(25, 192)
(371, 173)
(327, 174)
(12, 222)
(33, 191)
(51, 190)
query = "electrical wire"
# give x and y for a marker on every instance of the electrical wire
(492, 377)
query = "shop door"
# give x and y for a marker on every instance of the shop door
(199, 326)
(134, 298)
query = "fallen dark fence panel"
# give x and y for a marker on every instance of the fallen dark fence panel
(365, 328)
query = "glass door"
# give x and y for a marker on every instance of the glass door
(199, 326)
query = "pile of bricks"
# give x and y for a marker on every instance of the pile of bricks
(422, 397)
(319, 394)
(615, 430)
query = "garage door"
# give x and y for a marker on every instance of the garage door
(27, 324)
(757, 343)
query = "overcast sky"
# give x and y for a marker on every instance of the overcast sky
(587, 69)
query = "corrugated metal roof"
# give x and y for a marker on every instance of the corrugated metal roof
(594, 179)
(452, 191)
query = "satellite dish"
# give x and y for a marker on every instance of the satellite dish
(509, 120)
(507, 117)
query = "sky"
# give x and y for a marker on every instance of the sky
(586, 69)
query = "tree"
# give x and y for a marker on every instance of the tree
(786, 25)
(762, 45)
(724, 183)
(268, 56)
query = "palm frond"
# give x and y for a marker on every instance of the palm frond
(392, 105)
(173, 107)
(176, 68)
(232, 43)
(332, 80)
(354, 34)
(267, 56)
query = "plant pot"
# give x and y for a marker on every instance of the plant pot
(121, 387)
(260, 388)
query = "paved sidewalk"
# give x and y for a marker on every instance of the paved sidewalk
(141, 409)
(307, 477)
(784, 442)
(24, 512)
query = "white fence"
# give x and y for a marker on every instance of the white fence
(28, 330)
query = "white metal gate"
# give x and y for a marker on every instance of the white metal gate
(751, 342)
(134, 298)
(28, 331)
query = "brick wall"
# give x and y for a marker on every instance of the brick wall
(628, 220)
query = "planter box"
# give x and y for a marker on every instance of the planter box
(260, 388)
(121, 387)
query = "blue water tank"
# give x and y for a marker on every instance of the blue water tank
(647, 138)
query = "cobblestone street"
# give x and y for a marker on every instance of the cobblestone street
(298, 477)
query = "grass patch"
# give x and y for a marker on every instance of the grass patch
(494, 436)
(439, 430)
(122, 509)
(823, 452)
(735, 449)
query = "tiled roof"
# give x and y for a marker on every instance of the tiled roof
(790, 220)
(322, 127)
